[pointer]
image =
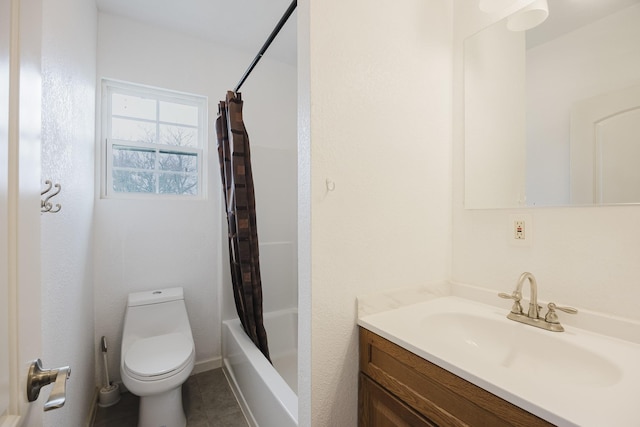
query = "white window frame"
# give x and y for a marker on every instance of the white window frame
(110, 87)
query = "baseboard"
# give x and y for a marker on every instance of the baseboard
(10, 421)
(207, 365)
(91, 417)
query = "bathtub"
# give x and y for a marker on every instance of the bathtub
(267, 393)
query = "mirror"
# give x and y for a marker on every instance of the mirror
(552, 115)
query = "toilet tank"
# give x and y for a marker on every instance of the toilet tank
(154, 313)
(155, 296)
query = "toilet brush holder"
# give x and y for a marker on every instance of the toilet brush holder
(109, 396)
(110, 393)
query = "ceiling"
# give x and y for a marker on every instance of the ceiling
(239, 24)
(568, 15)
(246, 24)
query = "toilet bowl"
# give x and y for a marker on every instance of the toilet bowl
(157, 355)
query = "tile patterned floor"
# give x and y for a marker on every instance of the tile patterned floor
(207, 398)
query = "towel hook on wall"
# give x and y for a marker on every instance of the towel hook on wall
(330, 185)
(46, 205)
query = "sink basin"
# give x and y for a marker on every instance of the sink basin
(532, 352)
(571, 378)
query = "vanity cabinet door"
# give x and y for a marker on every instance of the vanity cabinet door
(432, 392)
(379, 408)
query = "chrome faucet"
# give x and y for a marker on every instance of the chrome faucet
(550, 322)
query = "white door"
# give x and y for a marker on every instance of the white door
(605, 145)
(20, 97)
(617, 153)
(4, 227)
(4, 238)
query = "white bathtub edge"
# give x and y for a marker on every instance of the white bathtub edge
(244, 407)
(283, 396)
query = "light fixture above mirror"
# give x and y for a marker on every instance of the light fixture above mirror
(523, 15)
(529, 16)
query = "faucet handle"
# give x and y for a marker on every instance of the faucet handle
(552, 317)
(516, 297)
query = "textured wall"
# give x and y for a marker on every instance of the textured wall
(69, 29)
(141, 244)
(379, 76)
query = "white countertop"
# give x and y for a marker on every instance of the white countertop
(571, 378)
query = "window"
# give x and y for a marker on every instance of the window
(155, 141)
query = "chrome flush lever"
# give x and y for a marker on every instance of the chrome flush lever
(39, 377)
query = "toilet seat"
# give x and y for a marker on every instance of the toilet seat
(158, 357)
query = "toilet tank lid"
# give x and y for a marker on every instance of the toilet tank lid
(155, 296)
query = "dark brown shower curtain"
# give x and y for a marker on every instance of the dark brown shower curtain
(239, 196)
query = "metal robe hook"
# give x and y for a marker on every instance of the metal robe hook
(46, 205)
(330, 185)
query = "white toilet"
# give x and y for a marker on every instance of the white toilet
(157, 355)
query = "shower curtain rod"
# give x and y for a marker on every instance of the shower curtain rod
(266, 44)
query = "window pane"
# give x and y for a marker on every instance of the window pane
(131, 157)
(179, 136)
(178, 113)
(133, 106)
(178, 162)
(174, 183)
(154, 139)
(125, 181)
(133, 130)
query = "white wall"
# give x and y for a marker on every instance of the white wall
(69, 29)
(275, 179)
(141, 244)
(375, 120)
(495, 74)
(582, 257)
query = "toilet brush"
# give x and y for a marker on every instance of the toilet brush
(109, 394)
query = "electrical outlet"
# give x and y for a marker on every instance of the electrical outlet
(519, 230)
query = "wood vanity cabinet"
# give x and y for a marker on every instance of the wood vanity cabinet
(399, 388)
